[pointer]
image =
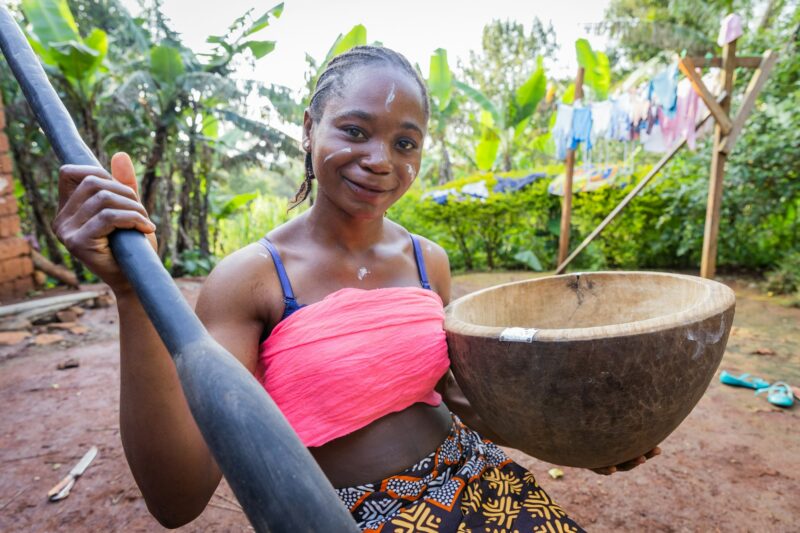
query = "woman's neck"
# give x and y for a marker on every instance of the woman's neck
(329, 224)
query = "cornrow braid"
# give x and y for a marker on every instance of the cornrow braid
(332, 81)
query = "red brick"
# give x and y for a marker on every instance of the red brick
(2, 118)
(3, 143)
(13, 247)
(26, 266)
(6, 184)
(8, 205)
(6, 291)
(10, 270)
(6, 165)
(23, 285)
(9, 226)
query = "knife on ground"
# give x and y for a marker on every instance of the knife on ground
(61, 490)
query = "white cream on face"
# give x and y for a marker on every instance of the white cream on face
(362, 273)
(390, 97)
(412, 172)
(343, 150)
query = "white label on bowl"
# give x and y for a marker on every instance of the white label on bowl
(518, 334)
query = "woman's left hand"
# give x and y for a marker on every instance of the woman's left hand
(628, 465)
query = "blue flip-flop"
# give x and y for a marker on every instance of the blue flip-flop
(779, 393)
(743, 380)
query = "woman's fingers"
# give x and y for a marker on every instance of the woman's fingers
(123, 171)
(87, 186)
(652, 453)
(628, 465)
(70, 177)
(105, 199)
(605, 471)
(107, 220)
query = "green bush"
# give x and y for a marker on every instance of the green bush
(253, 222)
(785, 279)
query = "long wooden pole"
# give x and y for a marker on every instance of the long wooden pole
(708, 263)
(275, 478)
(566, 201)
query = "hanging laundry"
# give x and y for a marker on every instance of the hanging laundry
(601, 120)
(620, 125)
(562, 130)
(581, 127)
(730, 30)
(664, 89)
(653, 140)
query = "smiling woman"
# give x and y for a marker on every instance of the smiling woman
(339, 314)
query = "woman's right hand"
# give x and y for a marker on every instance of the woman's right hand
(91, 204)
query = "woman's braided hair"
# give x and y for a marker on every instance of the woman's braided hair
(332, 81)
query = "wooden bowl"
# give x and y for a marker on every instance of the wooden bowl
(592, 369)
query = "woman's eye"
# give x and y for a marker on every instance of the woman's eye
(405, 144)
(354, 132)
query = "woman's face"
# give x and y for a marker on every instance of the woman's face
(367, 146)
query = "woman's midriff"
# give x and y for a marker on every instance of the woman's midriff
(385, 447)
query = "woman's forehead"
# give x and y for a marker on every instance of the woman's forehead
(379, 90)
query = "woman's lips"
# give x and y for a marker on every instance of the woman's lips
(363, 190)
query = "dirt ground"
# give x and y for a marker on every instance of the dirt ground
(731, 466)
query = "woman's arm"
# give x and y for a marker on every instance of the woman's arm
(166, 453)
(165, 450)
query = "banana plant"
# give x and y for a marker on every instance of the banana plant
(502, 124)
(182, 80)
(597, 72)
(444, 107)
(78, 61)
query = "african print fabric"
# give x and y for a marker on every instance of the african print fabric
(468, 484)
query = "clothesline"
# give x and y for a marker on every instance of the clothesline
(657, 114)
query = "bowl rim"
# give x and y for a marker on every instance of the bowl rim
(718, 299)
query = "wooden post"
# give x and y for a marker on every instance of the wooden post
(708, 264)
(566, 202)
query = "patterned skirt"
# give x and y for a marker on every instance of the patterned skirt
(466, 484)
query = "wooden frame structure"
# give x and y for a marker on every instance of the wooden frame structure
(726, 131)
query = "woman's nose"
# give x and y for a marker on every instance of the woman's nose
(377, 158)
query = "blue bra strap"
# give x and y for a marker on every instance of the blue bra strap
(288, 295)
(423, 274)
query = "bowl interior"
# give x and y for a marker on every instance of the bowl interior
(582, 301)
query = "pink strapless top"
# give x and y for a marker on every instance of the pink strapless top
(339, 364)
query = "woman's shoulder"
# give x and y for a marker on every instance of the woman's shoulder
(244, 281)
(437, 263)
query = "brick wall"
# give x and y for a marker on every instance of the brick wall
(16, 266)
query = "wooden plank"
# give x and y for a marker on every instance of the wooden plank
(70, 299)
(629, 197)
(720, 115)
(566, 202)
(751, 95)
(708, 263)
(741, 62)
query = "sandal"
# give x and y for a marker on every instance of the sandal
(743, 380)
(779, 393)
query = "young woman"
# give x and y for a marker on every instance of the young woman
(338, 313)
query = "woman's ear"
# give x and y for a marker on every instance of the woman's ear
(307, 127)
